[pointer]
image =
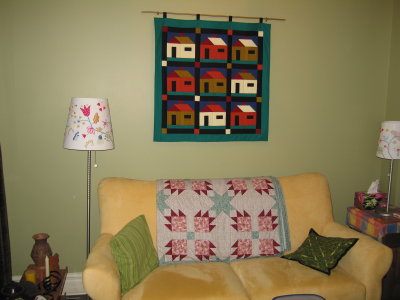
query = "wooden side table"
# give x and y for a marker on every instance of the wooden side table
(391, 282)
(55, 295)
(58, 292)
(387, 231)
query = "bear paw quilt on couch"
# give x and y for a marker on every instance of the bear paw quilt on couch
(262, 238)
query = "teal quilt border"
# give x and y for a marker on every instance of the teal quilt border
(168, 132)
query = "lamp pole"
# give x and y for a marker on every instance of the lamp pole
(88, 198)
(387, 214)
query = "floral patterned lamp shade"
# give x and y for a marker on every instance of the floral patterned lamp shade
(389, 140)
(89, 125)
(389, 148)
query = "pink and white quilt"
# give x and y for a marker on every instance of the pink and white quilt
(220, 219)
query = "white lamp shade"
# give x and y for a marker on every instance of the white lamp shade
(89, 125)
(389, 140)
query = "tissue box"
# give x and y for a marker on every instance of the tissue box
(363, 200)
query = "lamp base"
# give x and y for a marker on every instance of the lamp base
(385, 214)
(382, 211)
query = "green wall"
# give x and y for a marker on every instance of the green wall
(3, 37)
(393, 100)
(329, 82)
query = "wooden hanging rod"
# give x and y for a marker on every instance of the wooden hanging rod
(210, 15)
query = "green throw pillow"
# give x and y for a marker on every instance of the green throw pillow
(321, 253)
(134, 253)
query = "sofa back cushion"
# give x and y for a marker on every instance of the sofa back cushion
(308, 205)
(307, 198)
(122, 199)
(220, 219)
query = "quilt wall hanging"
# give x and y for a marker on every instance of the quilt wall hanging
(220, 219)
(211, 81)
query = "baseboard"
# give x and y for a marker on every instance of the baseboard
(73, 284)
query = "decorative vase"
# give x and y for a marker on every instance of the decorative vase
(40, 249)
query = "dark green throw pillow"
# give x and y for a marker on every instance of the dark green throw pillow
(134, 253)
(321, 253)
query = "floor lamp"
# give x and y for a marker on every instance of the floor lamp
(89, 129)
(389, 148)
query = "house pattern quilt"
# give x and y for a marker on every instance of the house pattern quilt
(220, 219)
(211, 80)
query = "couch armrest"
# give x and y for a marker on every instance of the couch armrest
(368, 261)
(100, 274)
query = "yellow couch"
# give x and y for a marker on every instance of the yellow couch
(308, 203)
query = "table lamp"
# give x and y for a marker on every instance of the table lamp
(89, 129)
(389, 148)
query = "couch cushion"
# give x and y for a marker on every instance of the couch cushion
(265, 278)
(206, 281)
(134, 253)
(321, 253)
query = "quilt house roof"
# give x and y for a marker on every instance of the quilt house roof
(181, 107)
(244, 108)
(214, 41)
(245, 43)
(181, 40)
(180, 74)
(213, 75)
(244, 75)
(213, 108)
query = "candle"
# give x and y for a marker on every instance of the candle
(30, 275)
(46, 262)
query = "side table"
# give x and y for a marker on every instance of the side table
(57, 293)
(387, 231)
(391, 282)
